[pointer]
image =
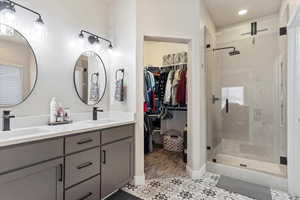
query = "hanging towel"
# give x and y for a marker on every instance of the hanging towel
(94, 89)
(119, 93)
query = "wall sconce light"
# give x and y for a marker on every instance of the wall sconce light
(7, 7)
(93, 38)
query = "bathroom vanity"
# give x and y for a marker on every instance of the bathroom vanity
(86, 160)
(70, 165)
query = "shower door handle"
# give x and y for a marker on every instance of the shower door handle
(227, 106)
(214, 99)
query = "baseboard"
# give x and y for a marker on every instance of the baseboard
(139, 180)
(196, 174)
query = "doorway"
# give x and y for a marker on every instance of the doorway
(165, 107)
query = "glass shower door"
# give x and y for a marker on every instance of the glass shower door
(247, 123)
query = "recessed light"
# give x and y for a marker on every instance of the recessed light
(243, 12)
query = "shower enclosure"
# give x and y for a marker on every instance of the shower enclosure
(246, 104)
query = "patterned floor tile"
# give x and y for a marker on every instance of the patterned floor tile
(184, 188)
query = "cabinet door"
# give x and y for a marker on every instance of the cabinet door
(39, 182)
(117, 166)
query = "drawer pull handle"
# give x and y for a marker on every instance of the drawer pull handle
(86, 196)
(104, 157)
(84, 165)
(60, 173)
(84, 141)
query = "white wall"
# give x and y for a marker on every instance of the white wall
(123, 33)
(182, 20)
(154, 51)
(57, 54)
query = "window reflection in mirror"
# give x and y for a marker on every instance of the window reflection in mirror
(18, 67)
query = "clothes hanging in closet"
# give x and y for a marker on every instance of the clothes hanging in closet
(150, 89)
(168, 91)
(175, 91)
(181, 90)
(162, 85)
(175, 84)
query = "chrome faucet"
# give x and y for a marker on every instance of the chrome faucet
(6, 120)
(95, 113)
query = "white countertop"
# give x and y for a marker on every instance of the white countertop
(36, 133)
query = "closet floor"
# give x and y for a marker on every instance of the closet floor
(164, 164)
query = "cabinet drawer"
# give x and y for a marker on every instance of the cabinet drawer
(118, 133)
(23, 155)
(89, 190)
(82, 166)
(81, 142)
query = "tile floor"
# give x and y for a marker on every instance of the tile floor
(164, 164)
(166, 179)
(184, 188)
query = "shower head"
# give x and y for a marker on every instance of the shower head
(234, 52)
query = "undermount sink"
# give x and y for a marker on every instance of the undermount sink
(100, 121)
(25, 131)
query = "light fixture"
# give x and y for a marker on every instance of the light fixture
(243, 12)
(39, 21)
(93, 38)
(8, 12)
(81, 36)
(7, 9)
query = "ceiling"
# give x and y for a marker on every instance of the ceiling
(225, 12)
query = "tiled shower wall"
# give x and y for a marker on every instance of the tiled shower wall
(252, 128)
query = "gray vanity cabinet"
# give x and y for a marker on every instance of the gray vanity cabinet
(76, 167)
(39, 182)
(117, 165)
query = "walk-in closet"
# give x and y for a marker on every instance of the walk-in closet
(165, 108)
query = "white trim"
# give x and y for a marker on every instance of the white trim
(250, 176)
(293, 105)
(196, 174)
(139, 180)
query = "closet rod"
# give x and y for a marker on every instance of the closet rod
(177, 109)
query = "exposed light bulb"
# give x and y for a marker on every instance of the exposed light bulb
(98, 47)
(38, 32)
(8, 15)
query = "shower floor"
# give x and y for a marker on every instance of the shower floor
(261, 166)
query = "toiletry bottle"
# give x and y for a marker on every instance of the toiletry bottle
(53, 110)
(60, 113)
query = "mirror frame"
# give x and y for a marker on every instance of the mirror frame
(36, 68)
(105, 72)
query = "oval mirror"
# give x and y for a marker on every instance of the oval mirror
(90, 78)
(18, 67)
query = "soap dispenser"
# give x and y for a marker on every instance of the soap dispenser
(53, 106)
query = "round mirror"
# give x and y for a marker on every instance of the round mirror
(18, 67)
(90, 78)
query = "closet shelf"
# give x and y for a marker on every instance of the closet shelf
(172, 108)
